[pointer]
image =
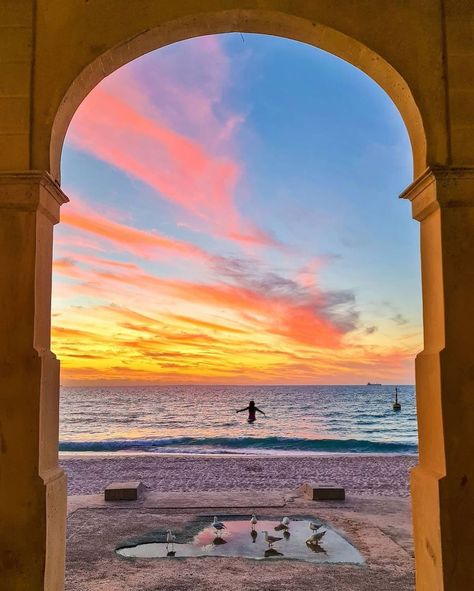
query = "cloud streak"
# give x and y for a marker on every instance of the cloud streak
(279, 306)
(137, 305)
(199, 179)
(139, 242)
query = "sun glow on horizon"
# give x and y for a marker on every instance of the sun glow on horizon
(232, 220)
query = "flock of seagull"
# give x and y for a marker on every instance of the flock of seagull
(284, 526)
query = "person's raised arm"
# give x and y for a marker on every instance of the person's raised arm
(242, 409)
(260, 411)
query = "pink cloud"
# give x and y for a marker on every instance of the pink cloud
(193, 168)
(140, 242)
(192, 103)
(70, 259)
(78, 240)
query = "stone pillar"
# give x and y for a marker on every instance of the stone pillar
(443, 482)
(32, 486)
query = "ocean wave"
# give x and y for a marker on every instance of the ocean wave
(242, 444)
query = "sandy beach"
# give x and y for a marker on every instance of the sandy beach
(385, 475)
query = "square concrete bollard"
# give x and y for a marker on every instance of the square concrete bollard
(324, 492)
(124, 491)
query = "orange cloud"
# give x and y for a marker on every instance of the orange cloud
(277, 314)
(152, 348)
(140, 242)
(209, 325)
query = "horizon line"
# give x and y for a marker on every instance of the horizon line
(223, 384)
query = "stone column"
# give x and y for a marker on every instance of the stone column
(32, 486)
(443, 482)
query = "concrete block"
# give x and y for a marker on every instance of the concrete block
(324, 492)
(124, 491)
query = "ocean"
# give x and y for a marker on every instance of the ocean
(202, 420)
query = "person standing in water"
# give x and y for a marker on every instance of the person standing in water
(252, 410)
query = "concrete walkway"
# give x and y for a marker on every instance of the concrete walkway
(379, 528)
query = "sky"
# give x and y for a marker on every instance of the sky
(234, 219)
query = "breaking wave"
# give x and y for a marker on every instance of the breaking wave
(239, 445)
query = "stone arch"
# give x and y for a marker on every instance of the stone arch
(55, 52)
(249, 21)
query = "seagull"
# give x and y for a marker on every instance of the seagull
(270, 539)
(315, 538)
(218, 525)
(286, 521)
(253, 521)
(170, 538)
(315, 526)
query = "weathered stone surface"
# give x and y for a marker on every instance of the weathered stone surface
(124, 491)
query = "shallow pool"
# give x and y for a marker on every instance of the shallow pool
(238, 539)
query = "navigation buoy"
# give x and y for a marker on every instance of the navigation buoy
(396, 404)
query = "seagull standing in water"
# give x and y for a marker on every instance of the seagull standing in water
(170, 538)
(315, 538)
(315, 526)
(218, 525)
(253, 521)
(271, 539)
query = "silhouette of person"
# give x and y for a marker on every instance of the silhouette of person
(252, 410)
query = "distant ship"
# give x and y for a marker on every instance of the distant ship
(370, 384)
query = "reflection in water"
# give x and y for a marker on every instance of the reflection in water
(102, 417)
(235, 541)
(316, 548)
(280, 527)
(272, 552)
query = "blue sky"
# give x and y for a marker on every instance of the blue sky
(281, 166)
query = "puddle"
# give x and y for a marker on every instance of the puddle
(238, 539)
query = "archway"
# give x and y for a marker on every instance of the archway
(101, 134)
(442, 200)
(366, 60)
(270, 23)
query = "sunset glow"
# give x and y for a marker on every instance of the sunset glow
(211, 237)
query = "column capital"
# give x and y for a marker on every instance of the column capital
(33, 190)
(440, 187)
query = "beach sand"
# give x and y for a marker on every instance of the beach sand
(385, 475)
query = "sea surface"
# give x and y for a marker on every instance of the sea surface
(202, 420)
